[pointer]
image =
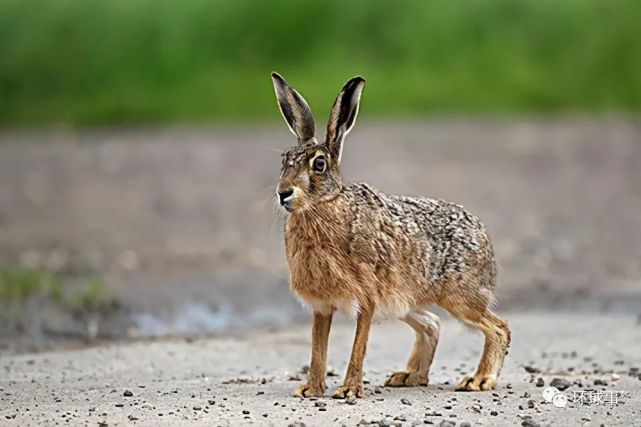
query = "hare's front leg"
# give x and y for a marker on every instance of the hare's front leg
(315, 385)
(353, 383)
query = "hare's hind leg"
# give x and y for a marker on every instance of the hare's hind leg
(497, 341)
(426, 326)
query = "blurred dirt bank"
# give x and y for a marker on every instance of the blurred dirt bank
(179, 223)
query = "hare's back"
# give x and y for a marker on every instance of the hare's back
(447, 239)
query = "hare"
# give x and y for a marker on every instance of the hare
(354, 249)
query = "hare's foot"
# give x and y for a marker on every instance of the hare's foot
(310, 389)
(477, 383)
(351, 387)
(407, 379)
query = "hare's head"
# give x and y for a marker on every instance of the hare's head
(310, 172)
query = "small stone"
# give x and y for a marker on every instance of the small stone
(540, 382)
(447, 423)
(560, 383)
(531, 370)
(245, 412)
(529, 422)
(405, 402)
(127, 393)
(615, 377)
(494, 413)
(320, 404)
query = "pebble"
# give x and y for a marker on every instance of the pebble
(529, 422)
(540, 382)
(127, 393)
(560, 383)
(405, 402)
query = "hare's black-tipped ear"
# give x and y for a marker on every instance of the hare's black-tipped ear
(343, 115)
(295, 110)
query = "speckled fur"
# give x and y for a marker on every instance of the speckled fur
(355, 249)
(393, 252)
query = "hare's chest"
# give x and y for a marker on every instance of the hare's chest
(320, 272)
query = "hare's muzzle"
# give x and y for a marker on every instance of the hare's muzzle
(285, 196)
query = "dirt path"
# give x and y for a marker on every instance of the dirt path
(246, 380)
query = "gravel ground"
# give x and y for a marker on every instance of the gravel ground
(249, 379)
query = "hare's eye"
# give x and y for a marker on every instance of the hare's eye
(319, 164)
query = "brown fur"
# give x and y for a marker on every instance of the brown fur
(357, 250)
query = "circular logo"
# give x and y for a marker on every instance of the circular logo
(559, 400)
(549, 393)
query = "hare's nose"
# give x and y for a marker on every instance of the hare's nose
(284, 195)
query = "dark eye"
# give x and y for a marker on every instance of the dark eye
(320, 164)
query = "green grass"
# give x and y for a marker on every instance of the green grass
(88, 62)
(78, 294)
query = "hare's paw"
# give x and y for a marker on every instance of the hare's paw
(477, 383)
(406, 379)
(310, 390)
(349, 390)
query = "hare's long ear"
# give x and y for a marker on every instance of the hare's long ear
(295, 110)
(343, 115)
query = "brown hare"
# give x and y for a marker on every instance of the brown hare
(354, 249)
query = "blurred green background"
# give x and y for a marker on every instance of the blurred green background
(90, 62)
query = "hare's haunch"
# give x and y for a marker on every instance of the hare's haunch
(354, 249)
